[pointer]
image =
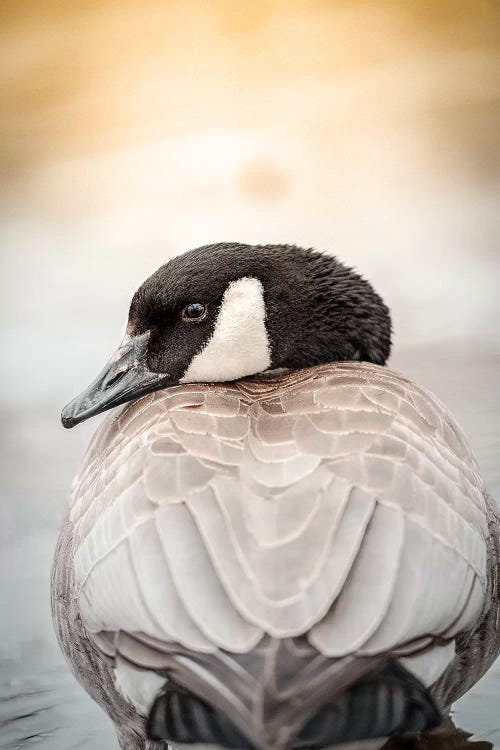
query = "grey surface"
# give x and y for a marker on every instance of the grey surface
(40, 703)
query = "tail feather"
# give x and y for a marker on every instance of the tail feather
(387, 702)
(282, 694)
(182, 717)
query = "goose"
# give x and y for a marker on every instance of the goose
(275, 541)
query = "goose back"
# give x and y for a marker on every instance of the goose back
(338, 508)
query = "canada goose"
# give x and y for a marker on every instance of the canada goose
(298, 559)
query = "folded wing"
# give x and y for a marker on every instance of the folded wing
(341, 505)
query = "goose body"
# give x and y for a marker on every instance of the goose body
(294, 559)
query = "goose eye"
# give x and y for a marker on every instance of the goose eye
(194, 312)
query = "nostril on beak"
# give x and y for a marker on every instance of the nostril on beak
(114, 379)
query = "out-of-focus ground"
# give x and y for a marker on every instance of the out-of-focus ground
(132, 131)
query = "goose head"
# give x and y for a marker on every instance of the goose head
(226, 311)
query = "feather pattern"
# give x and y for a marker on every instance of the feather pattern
(339, 504)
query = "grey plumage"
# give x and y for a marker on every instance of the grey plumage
(337, 508)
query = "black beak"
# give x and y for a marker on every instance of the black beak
(125, 377)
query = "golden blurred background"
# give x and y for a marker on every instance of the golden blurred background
(131, 131)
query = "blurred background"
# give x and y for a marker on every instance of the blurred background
(130, 132)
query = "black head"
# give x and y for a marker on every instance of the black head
(225, 311)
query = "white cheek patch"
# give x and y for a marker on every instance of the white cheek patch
(239, 345)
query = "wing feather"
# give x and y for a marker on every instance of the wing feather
(342, 502)
(160, 596)
(366, 596)
(197, 584)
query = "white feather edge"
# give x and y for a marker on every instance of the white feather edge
(137, 686)
(430, 665)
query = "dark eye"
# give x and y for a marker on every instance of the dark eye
(194, 312)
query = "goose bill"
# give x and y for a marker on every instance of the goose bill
(124, 378)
